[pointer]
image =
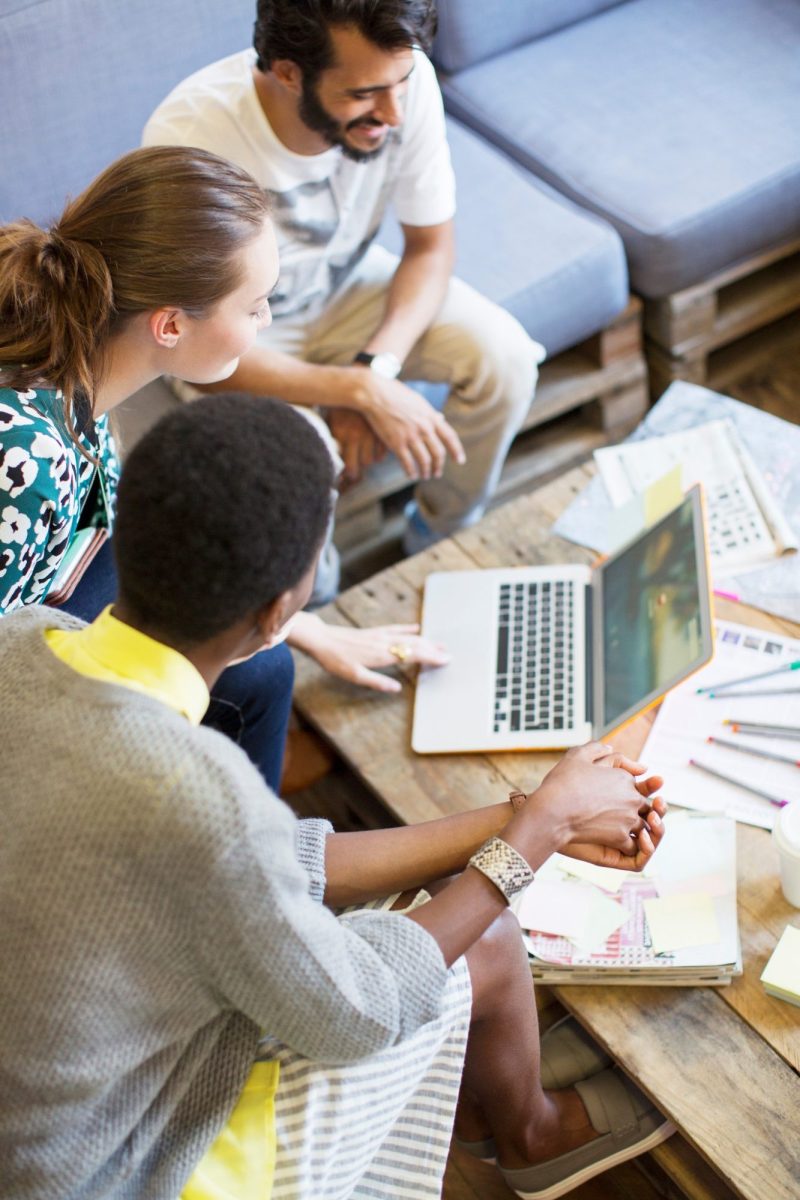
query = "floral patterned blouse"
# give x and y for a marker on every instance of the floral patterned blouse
(46, 490)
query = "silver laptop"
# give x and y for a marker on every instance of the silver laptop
(550, 657)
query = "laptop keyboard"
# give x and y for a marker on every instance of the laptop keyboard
(534, 682)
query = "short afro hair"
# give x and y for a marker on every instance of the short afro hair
(222, 507)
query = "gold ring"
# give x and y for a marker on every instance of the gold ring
(400, 652)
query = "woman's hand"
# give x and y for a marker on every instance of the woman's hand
(610, 807)
(353, 654)
(645, 842)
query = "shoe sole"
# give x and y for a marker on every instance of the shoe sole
(603, 1164)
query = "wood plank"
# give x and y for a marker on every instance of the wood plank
(621, 339)
(689, 1051)
(690, 317)
(573, 378)
(677, 1163)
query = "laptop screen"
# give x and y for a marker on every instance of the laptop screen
(656, 614)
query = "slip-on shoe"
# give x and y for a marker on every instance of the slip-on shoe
(568, 1054)
(627, 1124)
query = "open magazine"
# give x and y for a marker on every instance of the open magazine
(675, 924)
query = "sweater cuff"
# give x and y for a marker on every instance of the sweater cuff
(414, 958)
(310, 850)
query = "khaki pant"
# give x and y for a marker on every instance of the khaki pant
(475, 347)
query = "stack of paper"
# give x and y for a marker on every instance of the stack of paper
(675, 924)
(746, 527)
(688, 718)
(781, 975)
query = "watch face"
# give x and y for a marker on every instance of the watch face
(387, 365)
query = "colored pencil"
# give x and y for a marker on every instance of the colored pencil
(718, 741)
(767, 730)
(738, 783)
(716, 687)
(771, 692)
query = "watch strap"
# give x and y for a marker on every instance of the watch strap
(517, 799)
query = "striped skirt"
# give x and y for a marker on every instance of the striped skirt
(379, 1127)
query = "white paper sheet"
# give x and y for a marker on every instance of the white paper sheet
(686, 719)
(745, 526)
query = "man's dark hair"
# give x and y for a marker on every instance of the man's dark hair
(222, 506)
(299, 30)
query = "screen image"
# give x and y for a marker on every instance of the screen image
(652, 626)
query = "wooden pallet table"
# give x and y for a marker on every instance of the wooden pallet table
(723, 1063)
(686, 330)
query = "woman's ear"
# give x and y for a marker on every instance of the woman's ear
(166, 326)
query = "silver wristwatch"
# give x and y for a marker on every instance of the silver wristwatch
(385, 364)
(506, 868)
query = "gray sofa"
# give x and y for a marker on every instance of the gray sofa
(674, 120)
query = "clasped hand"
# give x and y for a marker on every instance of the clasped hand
(401, 420)
(611, 804)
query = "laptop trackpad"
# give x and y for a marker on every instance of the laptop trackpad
(453, 704)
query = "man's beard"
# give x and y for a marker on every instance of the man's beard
(316, 117)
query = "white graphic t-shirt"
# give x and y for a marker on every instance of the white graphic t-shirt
(326, 208)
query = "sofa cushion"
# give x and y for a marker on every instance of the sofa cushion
(80, 80)
(676, 121)
(470, 32)
(558, 269)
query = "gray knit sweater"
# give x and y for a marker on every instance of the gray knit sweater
(159, 908)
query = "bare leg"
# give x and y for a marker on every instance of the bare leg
(501, 1092)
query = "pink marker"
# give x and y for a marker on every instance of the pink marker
(737, 783)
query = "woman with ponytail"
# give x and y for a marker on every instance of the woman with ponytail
(162, 266)
(138, 277)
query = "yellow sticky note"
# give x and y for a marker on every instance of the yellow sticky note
(610, 879)
(781, 975)
(662, 495)
(677, 922)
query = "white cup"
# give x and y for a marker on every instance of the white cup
(786, 833)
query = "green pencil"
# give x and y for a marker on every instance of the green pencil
(716, 687)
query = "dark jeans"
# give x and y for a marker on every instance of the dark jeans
(250, 702)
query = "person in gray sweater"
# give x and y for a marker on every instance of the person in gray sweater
(167, 924)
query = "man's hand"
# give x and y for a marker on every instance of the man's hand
(406, 424)
(358, 445)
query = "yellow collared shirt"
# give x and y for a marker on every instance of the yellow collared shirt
(114, 652)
